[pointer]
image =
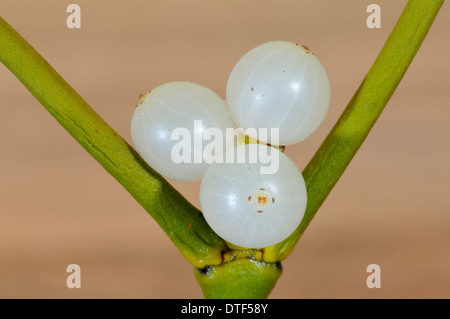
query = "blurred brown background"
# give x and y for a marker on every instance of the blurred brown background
(58, 206)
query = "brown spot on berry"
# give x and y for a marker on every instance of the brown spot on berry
(307, 50)
(262, 199)
(141, 98)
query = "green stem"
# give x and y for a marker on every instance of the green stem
(350, 131)
(248, 276)
(181, 221)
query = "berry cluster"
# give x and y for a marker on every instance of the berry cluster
(277, 85)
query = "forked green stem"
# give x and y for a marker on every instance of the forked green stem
(355, 123)
(181, 221)
(219, 274)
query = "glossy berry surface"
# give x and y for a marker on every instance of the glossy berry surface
(172, 106)
(279, 85)
(250, 209)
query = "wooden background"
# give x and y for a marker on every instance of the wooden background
(58, 206)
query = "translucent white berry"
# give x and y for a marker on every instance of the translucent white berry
(178, 105)
(250, 209)
(279, 85)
